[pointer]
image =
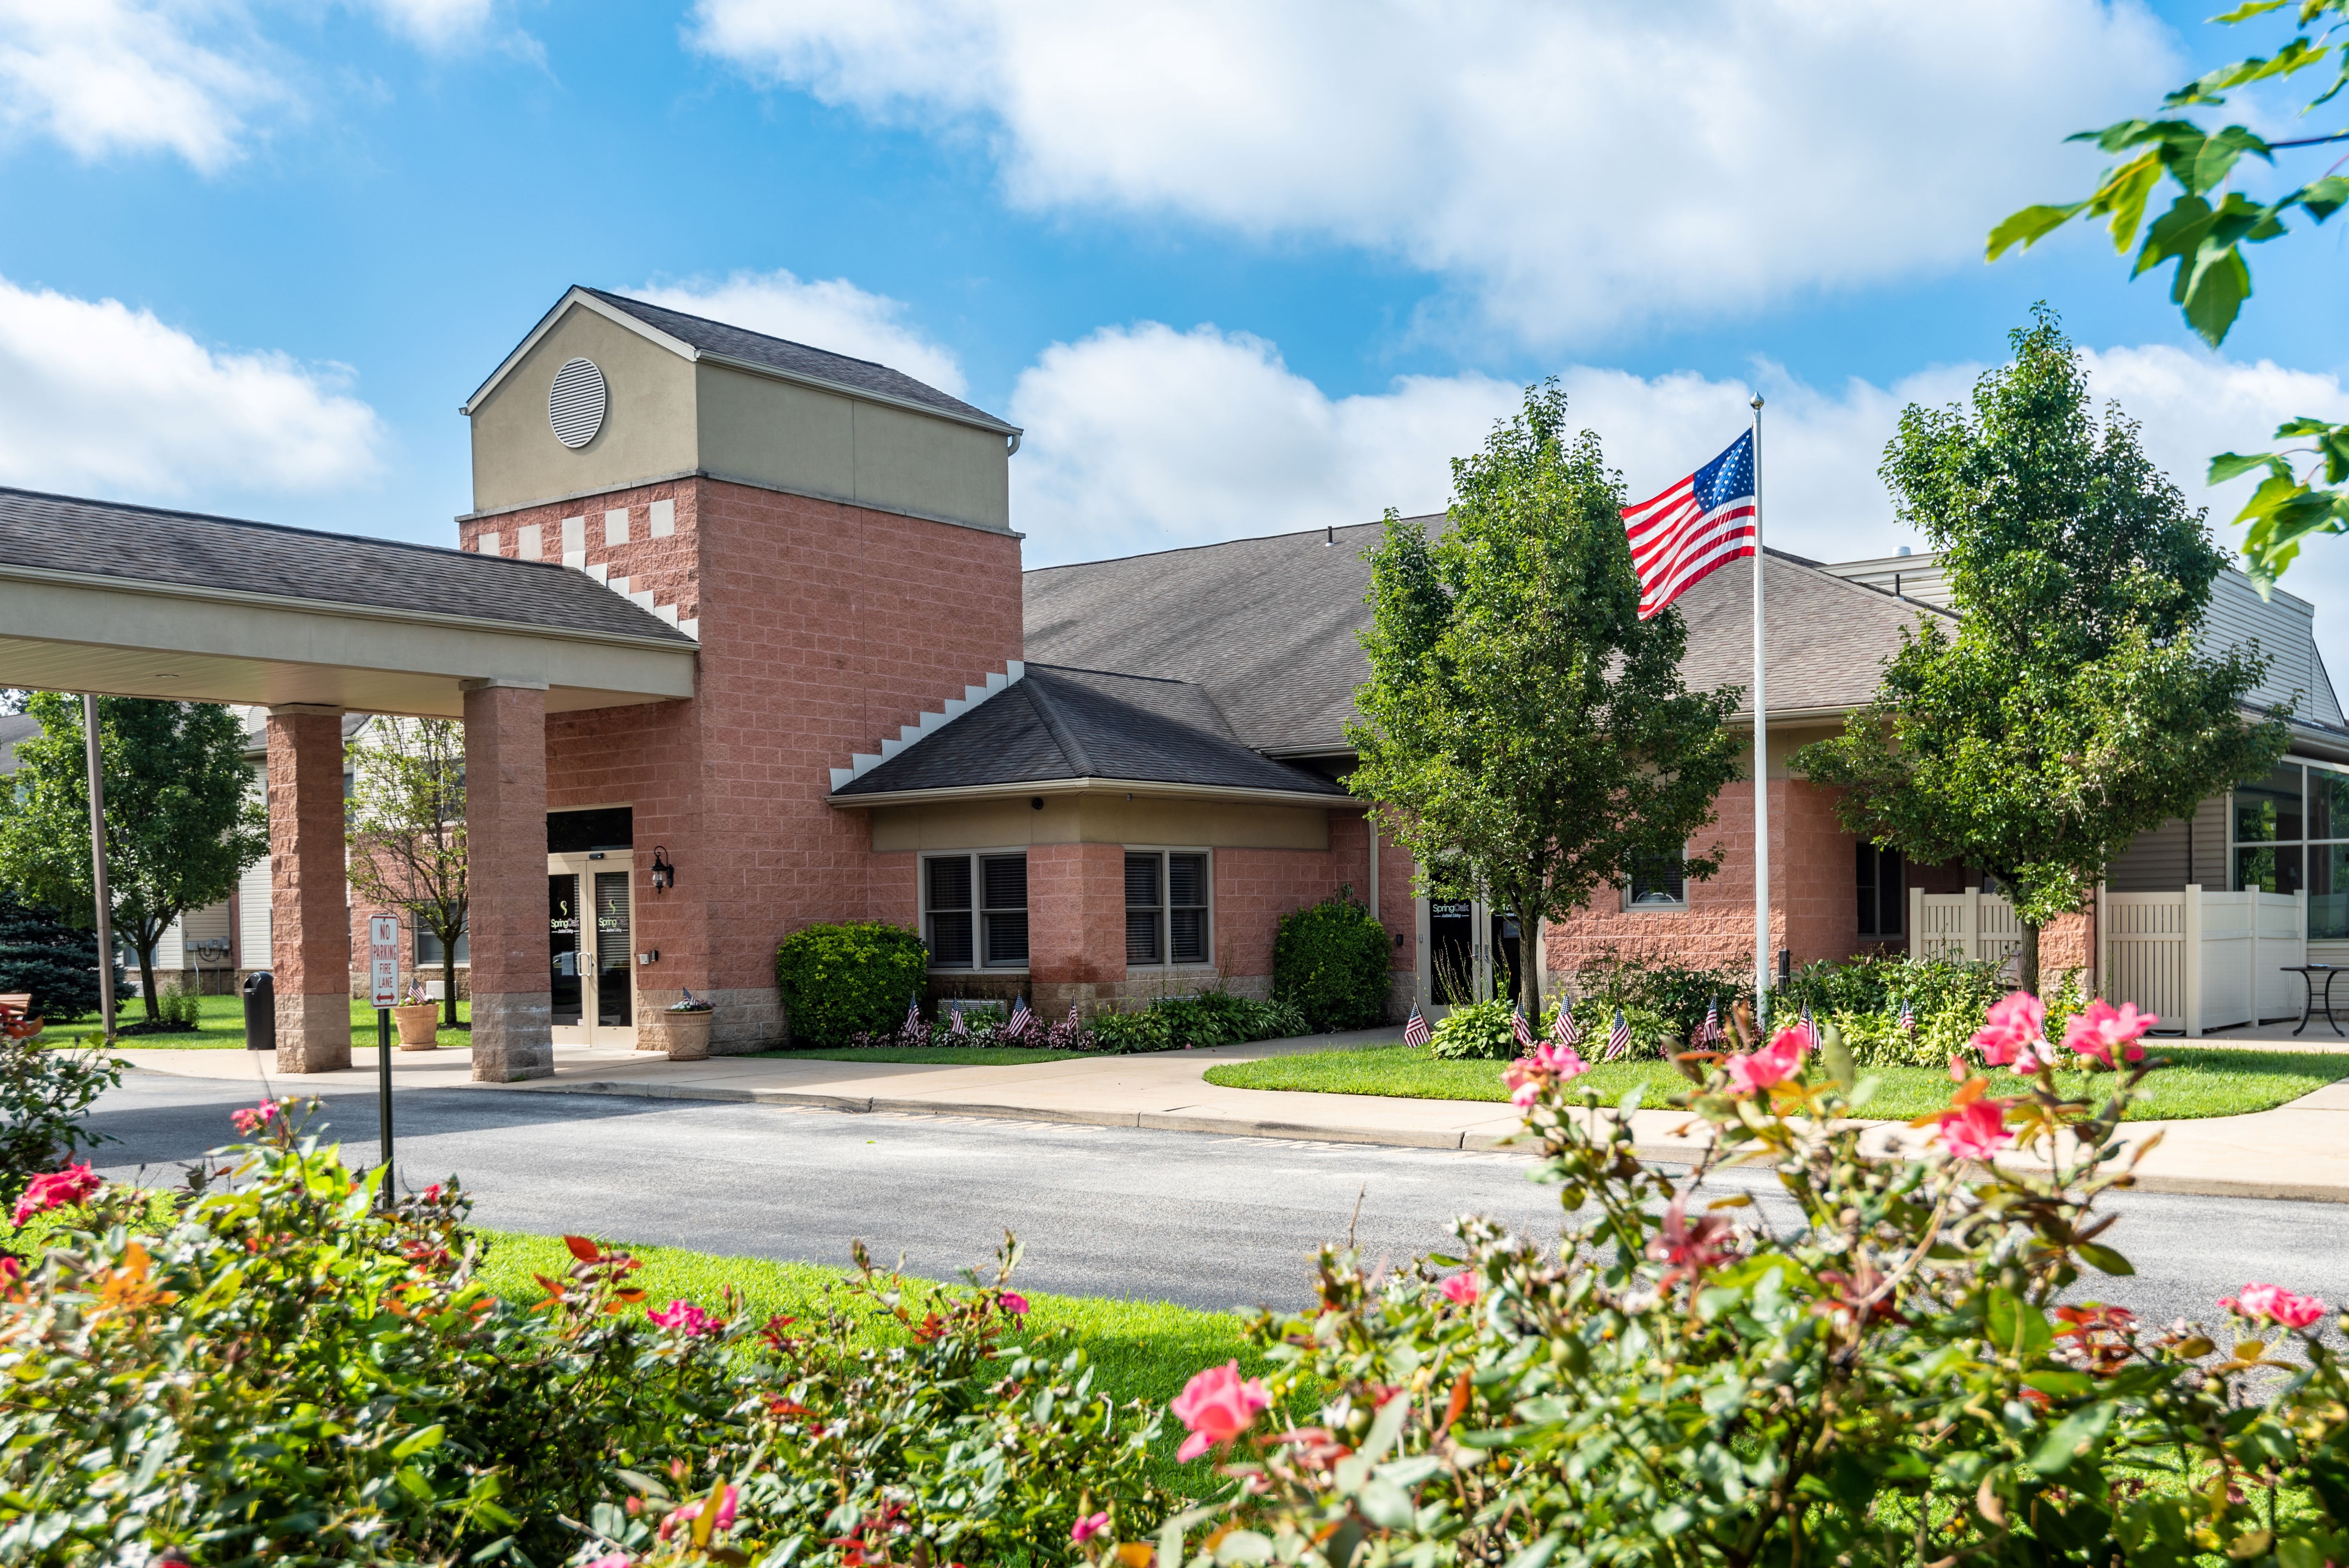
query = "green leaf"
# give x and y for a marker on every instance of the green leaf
(1247, 1546)
(1672, 1521)
(2075, 1439)
(2232, 464)
(2104, 1257)
(2214, 293)
(2029, 226)
(2061, 1385)
(429, 1437)
(2014, 1326)
(1539, 1552)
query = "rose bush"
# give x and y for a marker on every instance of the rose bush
(272, 1368)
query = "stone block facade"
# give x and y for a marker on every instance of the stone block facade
(310, 934)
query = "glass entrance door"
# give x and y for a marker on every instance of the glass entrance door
(591, 946)
(1474, 954)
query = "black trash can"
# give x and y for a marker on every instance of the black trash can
(260, 1012)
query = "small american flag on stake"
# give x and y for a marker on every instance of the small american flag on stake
(1414, 1028)
(958, 1029)
(1073, 1024)
(1618, 1039)
(1701, 525)
(1709, 1032)
(914, 1010)
(1022, 1020)
(1908, 1017)
(1565, 1030)
(1525, 1032)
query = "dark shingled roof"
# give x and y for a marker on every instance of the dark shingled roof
(794, 359)
(106, 539)
(1059, 724)
(1268, 627)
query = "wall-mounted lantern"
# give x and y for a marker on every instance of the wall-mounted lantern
(664, 873)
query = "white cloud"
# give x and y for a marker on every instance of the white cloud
(98, 397)
(1572, 168)
(105, 76)
(1145, 438)
(436, 24)
(833, 315)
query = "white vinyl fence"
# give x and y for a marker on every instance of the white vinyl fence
(2200, 959)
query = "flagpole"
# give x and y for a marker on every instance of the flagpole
(1761, 760)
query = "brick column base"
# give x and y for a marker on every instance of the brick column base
(310, 918)
(505, 843)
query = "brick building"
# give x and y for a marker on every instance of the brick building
(741, 639)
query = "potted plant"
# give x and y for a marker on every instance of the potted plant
(418, 1019)
(688, 1024)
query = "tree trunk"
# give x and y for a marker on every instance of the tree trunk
(2027, 959)
(147, 976)
(448, 982)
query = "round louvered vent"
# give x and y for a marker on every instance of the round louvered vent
(575, 406)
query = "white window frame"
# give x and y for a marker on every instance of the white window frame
(1168, 963)
(1675, 906)
(2308, 846)
(977, 909)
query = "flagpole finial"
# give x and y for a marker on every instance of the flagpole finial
(1757, 400)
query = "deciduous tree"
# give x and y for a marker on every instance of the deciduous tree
(2070, 710)
(1526, 735)
(406, 830)
(182, 822)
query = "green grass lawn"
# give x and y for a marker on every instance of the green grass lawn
(2200, 1081)
(957, 1056)
(220, 1027)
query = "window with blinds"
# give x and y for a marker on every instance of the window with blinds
(974, 910)
(1168, 908)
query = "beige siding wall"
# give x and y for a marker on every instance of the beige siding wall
(1108, 819)
(813, 442)
(648, 429)
(2156, 862)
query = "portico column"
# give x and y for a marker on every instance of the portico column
(309, 908)
(505, 879)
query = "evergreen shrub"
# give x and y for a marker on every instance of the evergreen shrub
(1330, 962)
(840, 980)
(41, 954)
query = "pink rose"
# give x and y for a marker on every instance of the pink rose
(2100, 1029)
(1086, 1527)
(1460, 1289)
(2276, 1305)
(611, 1559)
(1014, 1303)
(722, 1520)
(1775, 1063)
(2014, 1033)
(56, 1188)
(1528, 1074)
(251, 1121)
(1974, 1131)
(1216, 1406)
(684, 1315)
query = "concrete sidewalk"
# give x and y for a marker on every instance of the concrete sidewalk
(2299, 1150)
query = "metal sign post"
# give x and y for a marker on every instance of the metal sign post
(383, 967)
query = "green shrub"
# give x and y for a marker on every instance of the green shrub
(283, 1371)
(1330, 962)
(1132, 1034)
(44, 1097)
(1215, 1017)
(1676, 993)
(1653, 1035)
(840, 980)
(1475, 1031)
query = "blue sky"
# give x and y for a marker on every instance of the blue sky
(1237, 268)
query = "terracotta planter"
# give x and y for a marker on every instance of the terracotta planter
(688, 1035)
(417, 1021)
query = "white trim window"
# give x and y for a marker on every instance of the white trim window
(975, 909)
(1169, 908)
(1658, 882)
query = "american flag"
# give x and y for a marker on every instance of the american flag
(1702, 523)
(914, 1010)
(958, 1029)
(1021, 1019)
(1709, 1032)
(1073, 1023)
(1524, 1035)
(1414, 1028)
(1565, 1030)
(1618, 1039)
(1908, 1017)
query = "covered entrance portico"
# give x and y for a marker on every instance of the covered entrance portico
(131, 602)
